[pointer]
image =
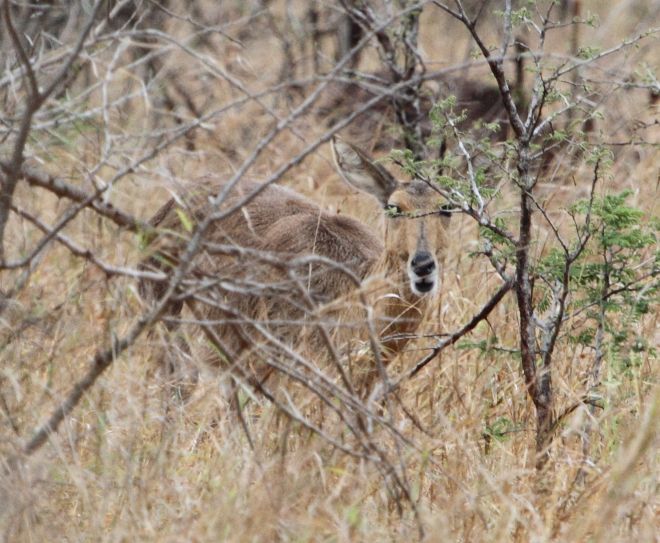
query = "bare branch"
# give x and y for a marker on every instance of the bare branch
(496, 67)
(451, 338)
(20, 50)
(87, 254)
(61, 188)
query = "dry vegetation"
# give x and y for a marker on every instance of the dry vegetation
(453, 452)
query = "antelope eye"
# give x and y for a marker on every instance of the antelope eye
(446, 210)
(393, 210)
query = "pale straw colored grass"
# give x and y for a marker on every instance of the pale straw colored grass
(122, 468)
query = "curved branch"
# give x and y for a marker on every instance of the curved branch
(451, 338)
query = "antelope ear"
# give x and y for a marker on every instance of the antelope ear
(360, 172)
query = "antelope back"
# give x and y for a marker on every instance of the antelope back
(266, 265)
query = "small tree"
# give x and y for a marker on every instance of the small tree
(601, 268)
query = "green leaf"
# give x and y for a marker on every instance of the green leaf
(186, 221)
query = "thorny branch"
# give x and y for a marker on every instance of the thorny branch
(354, 414)
(536, 352)
(103, 358)
(35, 99)
(450, 339)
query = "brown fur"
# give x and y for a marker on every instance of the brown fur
(248, 258)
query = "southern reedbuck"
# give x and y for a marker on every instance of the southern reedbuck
(281, 263)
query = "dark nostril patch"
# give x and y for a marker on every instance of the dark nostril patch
(422, 263)
(424, 270)
(420, 258)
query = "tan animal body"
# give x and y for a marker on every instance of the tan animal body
(280, 263)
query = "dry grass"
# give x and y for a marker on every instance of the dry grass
(128, 465)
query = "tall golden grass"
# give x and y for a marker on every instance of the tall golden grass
(130, 465)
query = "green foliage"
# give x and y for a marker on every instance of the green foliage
(588, 52)
(520, 16)
(406, 160)
(186, 221)
(503, 245)
(442, 115)
(353, 516)
(438, 112)
(601, 277)
(500, 429)
(614, 282)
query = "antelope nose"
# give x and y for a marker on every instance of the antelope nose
(422, 264)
